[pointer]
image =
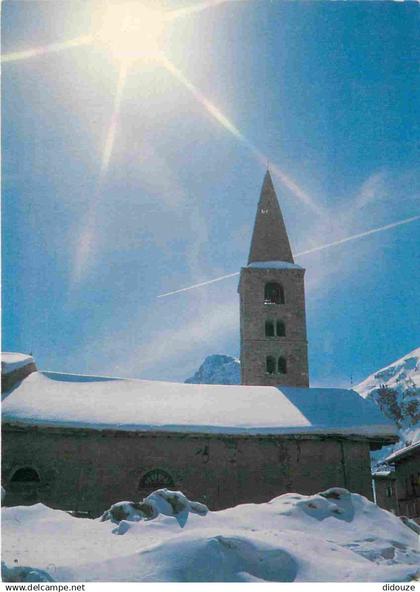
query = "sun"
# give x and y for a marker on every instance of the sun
(131, 31)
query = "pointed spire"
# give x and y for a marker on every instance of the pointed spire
(269, 239)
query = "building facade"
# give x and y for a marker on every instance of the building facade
(85, 470)
(407, 473)
(272, 303)
(384, 483)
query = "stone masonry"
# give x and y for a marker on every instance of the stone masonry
(270, 245)
(87, 470)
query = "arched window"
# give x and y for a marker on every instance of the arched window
(269, 329)
(280, 329)
(25, 475)
(282, 366)
(273, 293)
(156, 479)
(270, 365)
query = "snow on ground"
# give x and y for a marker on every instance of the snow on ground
(47, 398)
(11, 361)
(332, 536)
(161, 501)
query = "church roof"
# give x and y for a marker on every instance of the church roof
(68, 400)
(269, 239)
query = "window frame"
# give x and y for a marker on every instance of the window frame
(280, 323)
(281, 365)
(268, 361)
(269, 323)
(268, 299)
(25, 469)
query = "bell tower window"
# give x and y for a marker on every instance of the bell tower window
(282, 365)
(269, 329)
(273, 293)
(270, 365)
(280, 329)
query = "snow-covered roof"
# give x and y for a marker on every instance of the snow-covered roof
(273, 265)
(384, 475)
(402, 452)
(48, 398)
(11, 361)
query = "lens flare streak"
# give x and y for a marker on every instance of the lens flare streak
(230, 127)
(85, 242)
(51, 48)
(188, 10)
(312, 250)
(110, 139)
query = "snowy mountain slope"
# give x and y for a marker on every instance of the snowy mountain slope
(331, 536)
(402, 375)
(217, 369)
(396, 389)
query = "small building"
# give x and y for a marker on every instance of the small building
(407, 472)
(385, 495)
(81, 443)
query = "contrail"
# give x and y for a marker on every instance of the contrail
(360, 235)
(313, 250)
(218, 279)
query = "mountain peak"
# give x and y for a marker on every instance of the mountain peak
(217, 369)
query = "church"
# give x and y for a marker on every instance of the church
(81, 443)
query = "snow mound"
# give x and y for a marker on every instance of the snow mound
(24, 574)
(161, 501)
(199, 558)
(331, 536)
(335, 502)
(11, 361)
(217, 369)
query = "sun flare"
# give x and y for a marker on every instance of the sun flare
(131, 31)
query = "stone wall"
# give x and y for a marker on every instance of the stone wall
(255, 346)
(87, 470)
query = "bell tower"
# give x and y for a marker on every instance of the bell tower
(272, 303)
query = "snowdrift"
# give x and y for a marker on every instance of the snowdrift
(332, 536)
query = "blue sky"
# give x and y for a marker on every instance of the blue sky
(327, 92)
